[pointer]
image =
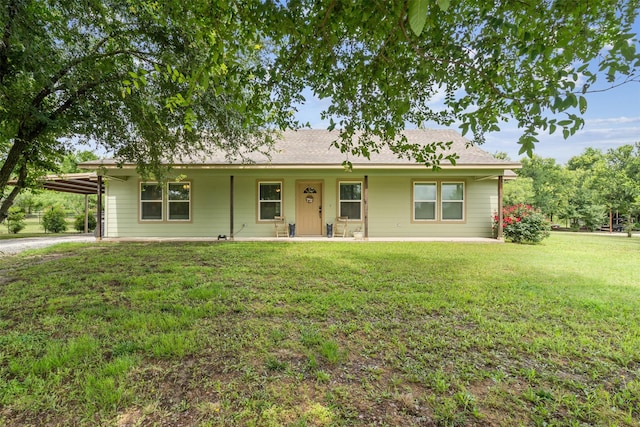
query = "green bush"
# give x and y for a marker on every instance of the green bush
(54, 221)
(15, 220)
(522, 224)
(78, 223)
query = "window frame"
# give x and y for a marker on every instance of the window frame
(461, 201)
(260, 202)
(141, 202)
(169, 201)
(414, 201)
(359, 201)
(164, 202)
(439, 206)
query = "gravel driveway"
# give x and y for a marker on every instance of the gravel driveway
(14, 246)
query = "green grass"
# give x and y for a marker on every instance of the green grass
(323, 334)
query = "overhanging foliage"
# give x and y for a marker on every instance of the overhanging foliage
(149, 81)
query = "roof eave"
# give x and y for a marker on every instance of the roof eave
(310, 166)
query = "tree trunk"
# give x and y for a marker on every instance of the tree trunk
(7, 202)
(13, 158)
(18, 154)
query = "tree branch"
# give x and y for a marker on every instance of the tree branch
(73, 98)
(626, 81)
(461, 64)
(93, 57)
(327, 14)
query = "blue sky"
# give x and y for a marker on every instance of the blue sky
(612, 119)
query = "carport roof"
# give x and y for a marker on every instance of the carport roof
(76, 183)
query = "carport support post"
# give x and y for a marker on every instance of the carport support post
(99, 210)
(500, 196)
(86, 213)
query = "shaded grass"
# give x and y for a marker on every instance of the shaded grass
(323, 334)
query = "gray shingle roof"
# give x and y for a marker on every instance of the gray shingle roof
(313, 147)
(309, 147)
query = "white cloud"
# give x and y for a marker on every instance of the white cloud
(617, 120)
(600, 133)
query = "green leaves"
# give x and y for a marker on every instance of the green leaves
(465, 63)
(583, 104)
(527, 144)
(443, 4)
(417, 15)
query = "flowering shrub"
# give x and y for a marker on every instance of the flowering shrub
(522, 224)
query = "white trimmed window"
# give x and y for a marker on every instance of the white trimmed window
(269, 200)
(179, 201)
(351, 200)
(425, 200)
(150, 201)
(452, 194)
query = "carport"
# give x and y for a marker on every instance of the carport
(86, 183)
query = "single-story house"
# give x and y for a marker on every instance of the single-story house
(304, 182)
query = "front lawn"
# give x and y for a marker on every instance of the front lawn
(319, 334)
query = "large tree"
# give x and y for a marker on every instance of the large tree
(610, 179)
(146, 80)
(616, 178)
(549, 184)
(149, 80)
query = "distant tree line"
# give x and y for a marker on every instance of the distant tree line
(591, 190)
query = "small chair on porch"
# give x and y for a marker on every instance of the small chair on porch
(342, 225)
(281, 226)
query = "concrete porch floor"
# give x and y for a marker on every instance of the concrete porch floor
(305, 239)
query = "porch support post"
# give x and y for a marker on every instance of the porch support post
(99, 210)
(231, 206)
(366, 207)
(86, 213)
(500, 196)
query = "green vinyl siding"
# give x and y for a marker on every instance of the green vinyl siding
(209, 214)
(390, 203)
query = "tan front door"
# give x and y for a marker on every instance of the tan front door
(309, 208)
